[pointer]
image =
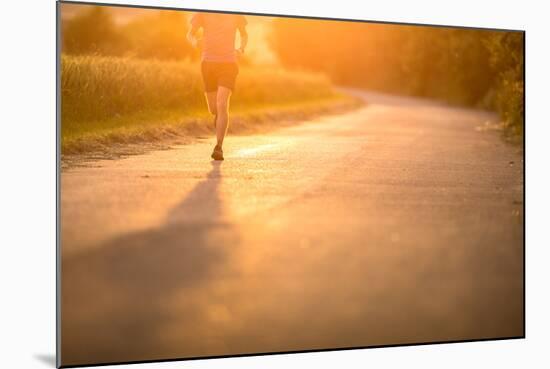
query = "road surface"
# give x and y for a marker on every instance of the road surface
(400, 222)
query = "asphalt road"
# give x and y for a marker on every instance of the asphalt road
(401, 222)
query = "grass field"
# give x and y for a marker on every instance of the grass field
(107, 99)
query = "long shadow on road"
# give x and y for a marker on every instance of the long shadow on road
(115, 298)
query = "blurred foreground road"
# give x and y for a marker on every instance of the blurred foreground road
(400, 222)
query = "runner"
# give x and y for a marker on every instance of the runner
(219, 64)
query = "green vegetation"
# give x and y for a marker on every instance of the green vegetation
(110, 99)
(506, 49)
(479, 68)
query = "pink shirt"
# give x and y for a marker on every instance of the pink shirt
(219, 35)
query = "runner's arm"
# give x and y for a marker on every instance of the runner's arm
(244, 38)
(192, 35)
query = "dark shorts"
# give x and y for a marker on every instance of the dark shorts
(215, 74)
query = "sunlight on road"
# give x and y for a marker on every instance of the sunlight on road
(312, 236)
(255, 150)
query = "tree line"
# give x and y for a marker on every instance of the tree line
(473, 67)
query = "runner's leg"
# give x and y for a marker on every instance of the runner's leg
(211, 98)
(222, 110)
